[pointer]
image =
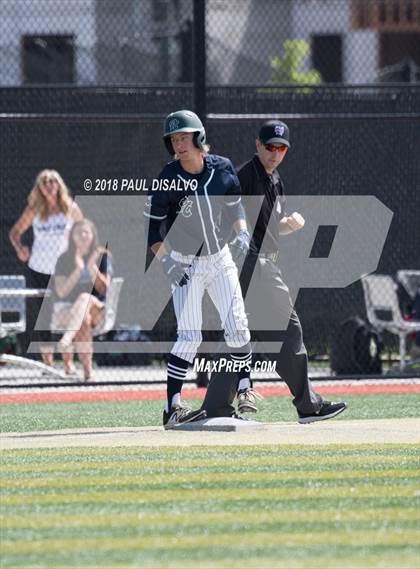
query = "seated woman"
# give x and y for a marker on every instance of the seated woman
(82, 277)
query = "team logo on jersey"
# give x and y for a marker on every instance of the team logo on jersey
(185, 207)
(279, 130)
(173, 124)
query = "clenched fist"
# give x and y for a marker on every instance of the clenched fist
(295, 221)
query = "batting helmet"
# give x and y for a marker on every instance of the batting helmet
(184, 121)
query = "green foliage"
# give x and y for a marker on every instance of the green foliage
(288, 69)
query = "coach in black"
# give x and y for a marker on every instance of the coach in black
(259, 177)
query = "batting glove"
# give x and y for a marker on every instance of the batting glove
(175, 271)
(239, 247)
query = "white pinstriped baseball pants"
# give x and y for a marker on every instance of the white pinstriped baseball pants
(219, 276)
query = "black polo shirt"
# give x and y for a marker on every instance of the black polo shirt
(256, 182)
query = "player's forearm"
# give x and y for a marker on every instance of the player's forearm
(240, 224)
(154, 238)
(159, 249)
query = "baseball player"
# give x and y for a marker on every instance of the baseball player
(259, 177)
(201, 192)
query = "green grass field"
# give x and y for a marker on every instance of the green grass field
(51, 416)
(262, 507)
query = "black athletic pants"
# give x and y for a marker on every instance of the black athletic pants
(291, 360)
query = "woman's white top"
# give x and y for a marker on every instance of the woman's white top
(51, 239)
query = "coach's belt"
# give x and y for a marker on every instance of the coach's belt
(273, 257)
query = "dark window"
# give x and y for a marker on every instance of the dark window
(396, 12)
(327, 57)
(399, 56)
(382, 11)
(48, 59)
(409, 11)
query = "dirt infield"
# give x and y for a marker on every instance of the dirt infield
(397, 431)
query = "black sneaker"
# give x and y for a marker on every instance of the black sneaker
(180, 414)
(327, 411)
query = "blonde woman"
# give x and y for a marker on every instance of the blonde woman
(51, 213)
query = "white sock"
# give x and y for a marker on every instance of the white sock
(245, 383)
(176, 400)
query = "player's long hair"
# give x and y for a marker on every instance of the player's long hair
(37, 201)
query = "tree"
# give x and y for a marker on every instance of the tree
(287, 69)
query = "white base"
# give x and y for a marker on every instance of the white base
(220, 424)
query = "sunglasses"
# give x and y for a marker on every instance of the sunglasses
(46, 180)
(274, 148)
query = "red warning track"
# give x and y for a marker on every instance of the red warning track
(197, 393)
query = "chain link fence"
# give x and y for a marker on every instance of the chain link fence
(84, 89)
(248, 42)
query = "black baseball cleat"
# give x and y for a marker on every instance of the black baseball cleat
(180, 414)
(327, 411)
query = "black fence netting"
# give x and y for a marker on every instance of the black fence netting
(332, 155)
(157, 101)
(85, 86)
(351, 155)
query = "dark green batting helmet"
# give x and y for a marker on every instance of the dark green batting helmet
(183, 121)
